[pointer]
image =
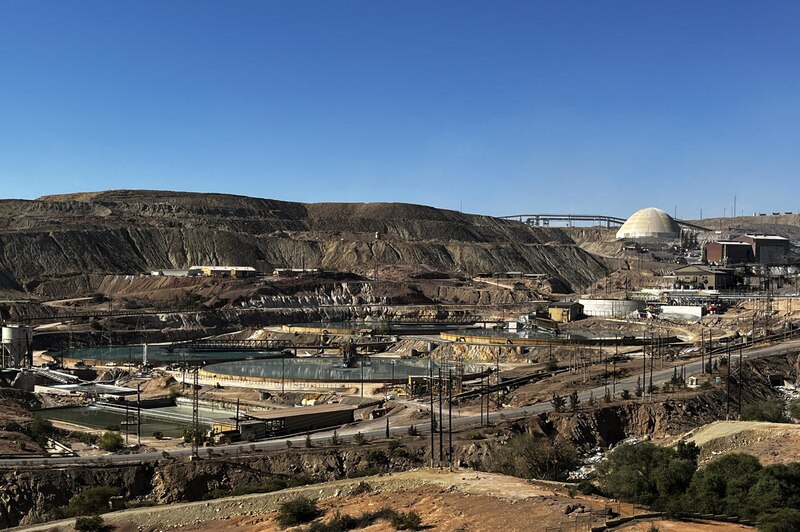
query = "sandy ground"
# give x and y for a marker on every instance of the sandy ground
(664, 525)
(463, 500)
(771, 443)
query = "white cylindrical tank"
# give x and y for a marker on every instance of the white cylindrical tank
(15, 340)
(611, 308)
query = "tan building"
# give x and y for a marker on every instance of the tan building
(565, 311)
(223, 271)
(701, 277)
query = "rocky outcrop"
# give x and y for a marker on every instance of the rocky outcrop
(30, 495)
(54, 244)
(607, 426)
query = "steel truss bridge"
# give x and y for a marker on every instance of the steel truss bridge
(544, 220)
(278, 346)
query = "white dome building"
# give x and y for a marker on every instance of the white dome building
(649, 223)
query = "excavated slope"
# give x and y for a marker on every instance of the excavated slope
(71, 236)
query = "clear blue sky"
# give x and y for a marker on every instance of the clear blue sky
(496, 107)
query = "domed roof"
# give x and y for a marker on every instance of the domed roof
(649, 223)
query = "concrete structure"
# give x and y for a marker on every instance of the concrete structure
(565, 311)
(170, 273)
(15, 343)
(649, 223)
(611, 308)
(684, 312)
(87, 388)
(767, 249)
(727, 252)
(223, 271)
(704, 277)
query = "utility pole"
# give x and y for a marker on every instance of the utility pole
(644, 368)
(441, 420)
(433, 420)
(741, 380)
(497, 377)
(139, 414)
(480, 396)
(728, 384)
(450, 419)
(702, 352)
(486, 397)
(126, 422)
(237, 413)
(614, 367)
(195, 412)
(650, 386)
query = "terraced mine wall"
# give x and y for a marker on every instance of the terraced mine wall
(52, 245)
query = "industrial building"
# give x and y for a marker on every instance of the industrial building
(565, 311)
(222, 271)
(293, 272)
(726, 252)
(767, 249)
(289, 420)
(649, 223)
(701, 277)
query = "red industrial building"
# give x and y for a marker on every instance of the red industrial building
(763, 249)
(726, 252)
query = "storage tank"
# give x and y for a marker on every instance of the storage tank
(15, 341)
(649, 223)
(611, 308)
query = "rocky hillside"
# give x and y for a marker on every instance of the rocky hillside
(68, 237)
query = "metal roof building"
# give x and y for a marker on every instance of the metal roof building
(767, 249)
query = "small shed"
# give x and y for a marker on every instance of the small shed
(565, 311)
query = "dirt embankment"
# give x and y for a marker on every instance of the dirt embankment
(460, 500)
(771, 443)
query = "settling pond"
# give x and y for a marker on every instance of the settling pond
(170, 421)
